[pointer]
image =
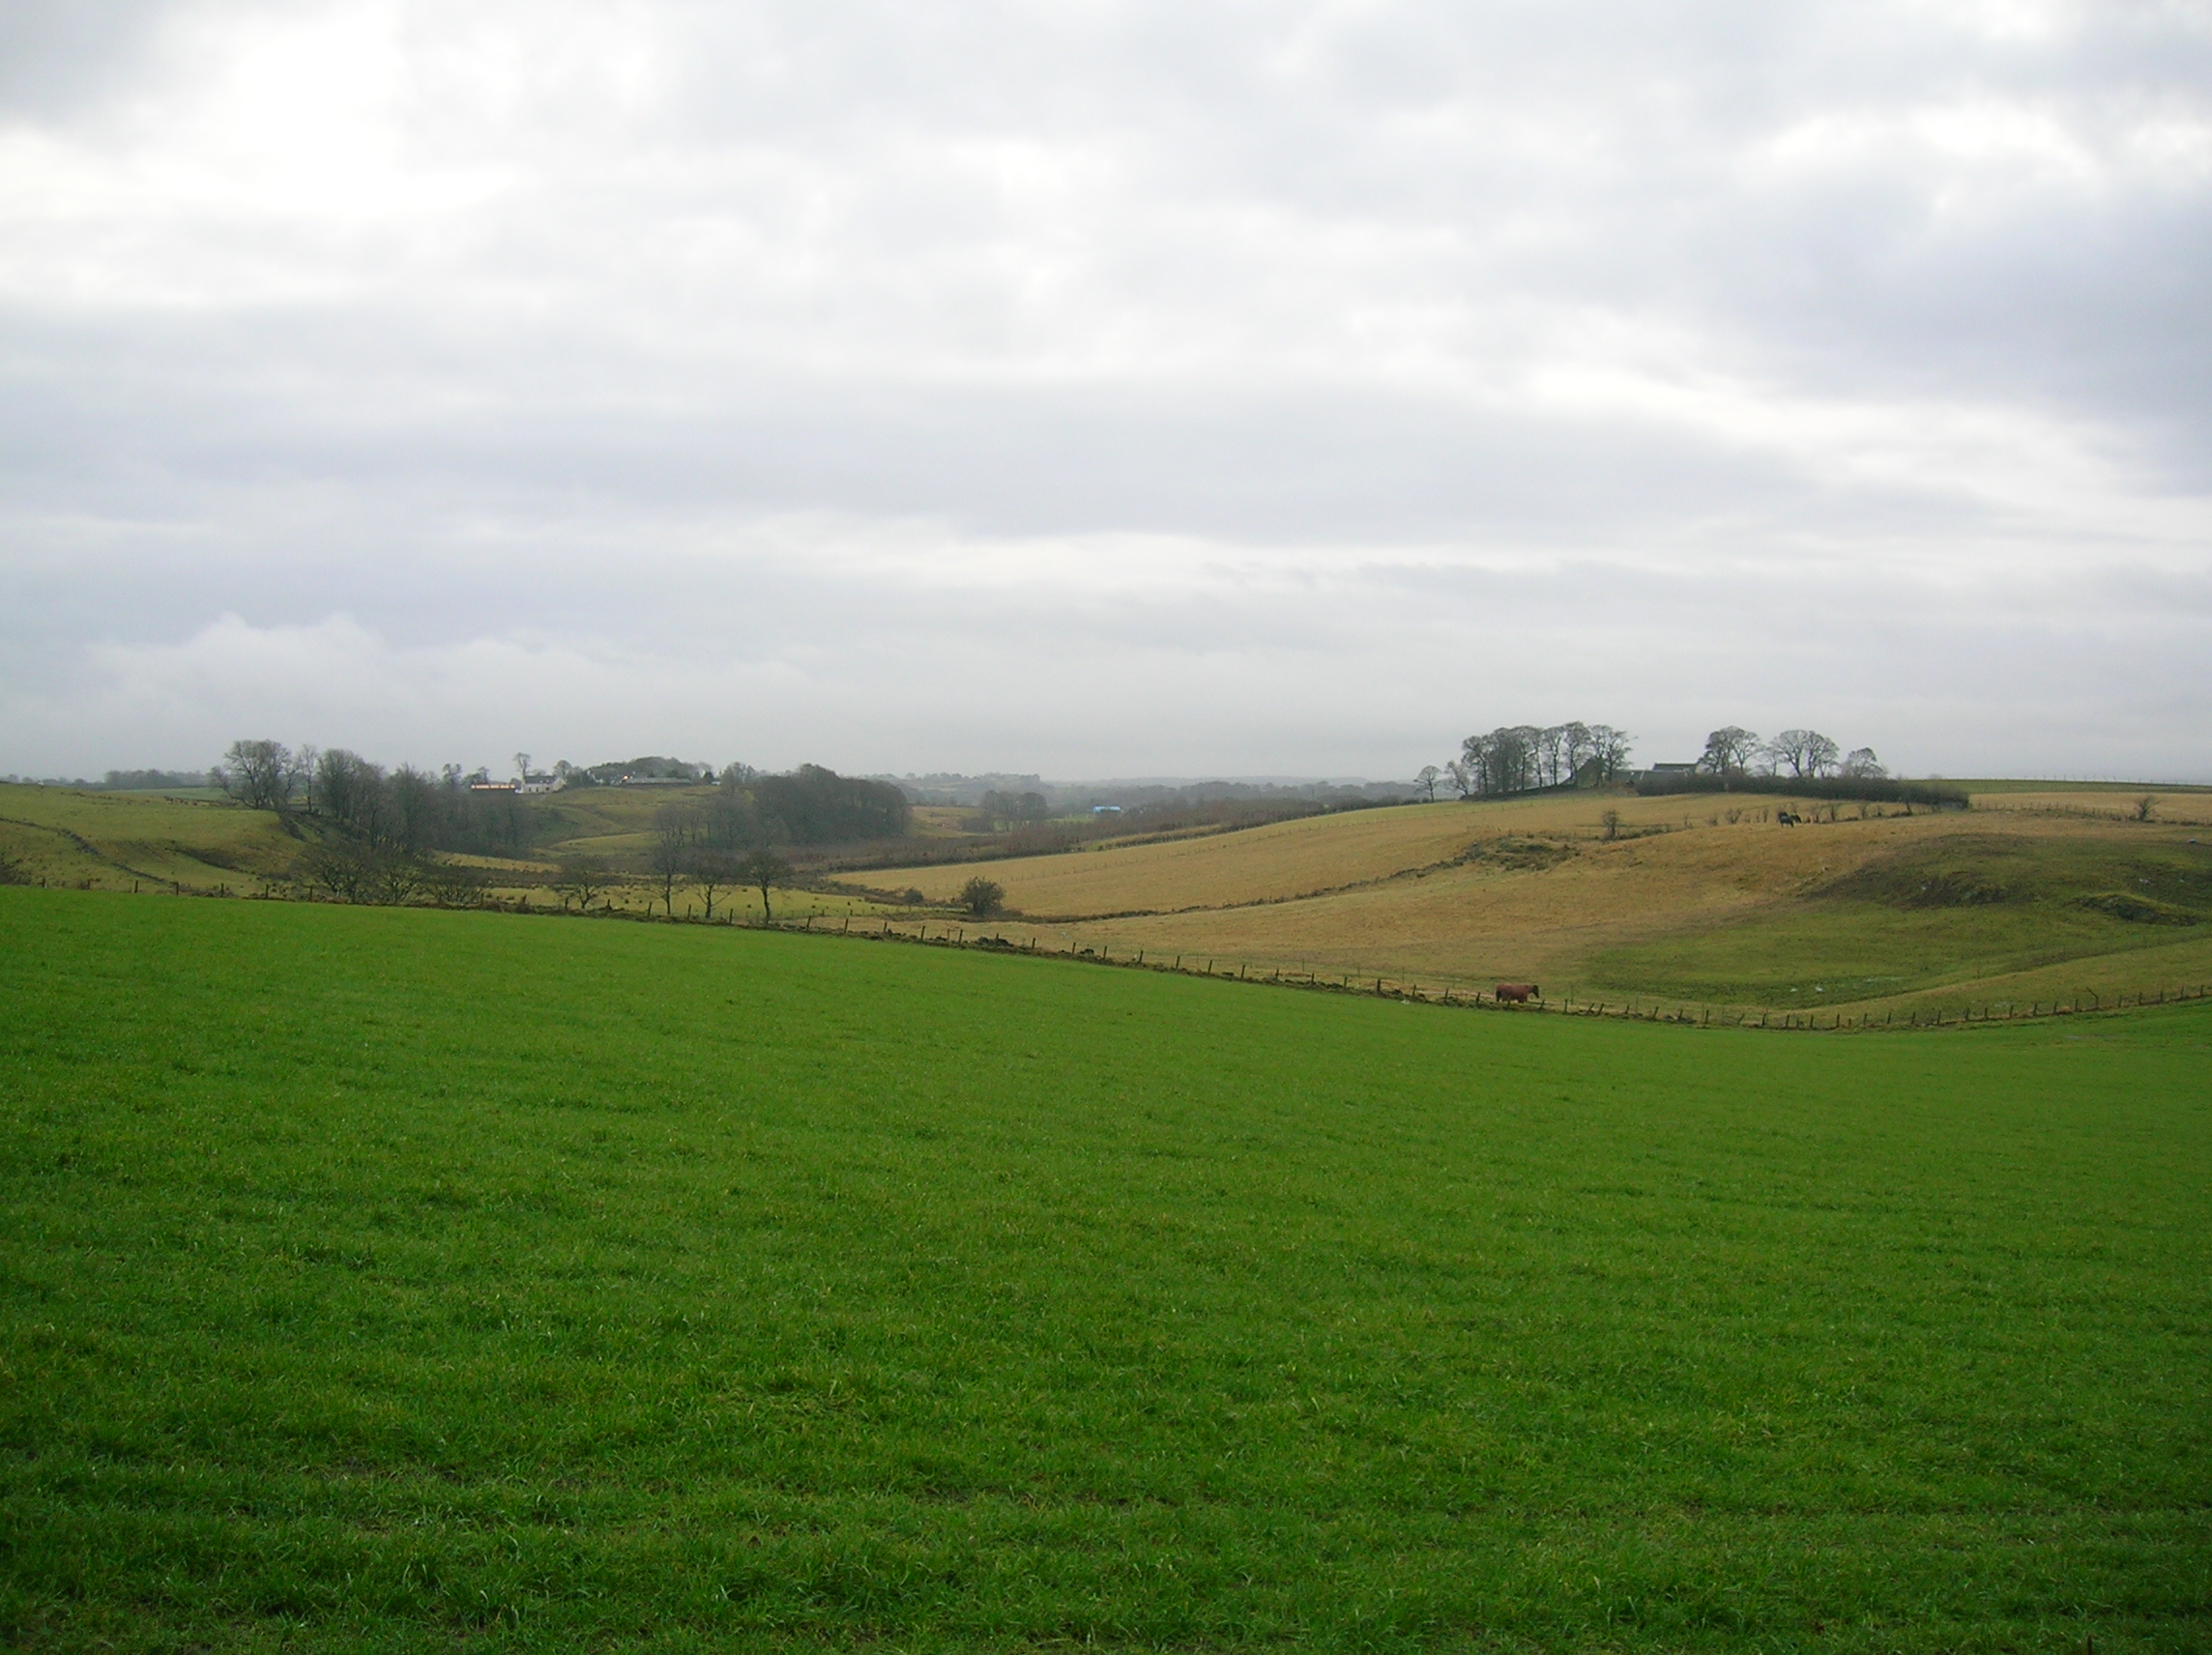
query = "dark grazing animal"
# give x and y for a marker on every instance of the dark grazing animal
(1516, 994)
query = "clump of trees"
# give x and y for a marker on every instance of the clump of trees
(405, 812)
(1732, 752)
(810, 805)
(1799, 762)
(1523, 758)
(721, 840)
(1001, 809)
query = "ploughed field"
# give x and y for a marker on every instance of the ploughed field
(396, 1279)
(1700, 899)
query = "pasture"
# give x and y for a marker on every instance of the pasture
(109, 840)
(1701, 898)
(404, 1280)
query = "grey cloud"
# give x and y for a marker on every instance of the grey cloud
(1598, 338)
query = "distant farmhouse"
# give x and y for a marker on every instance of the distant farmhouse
(534, 781)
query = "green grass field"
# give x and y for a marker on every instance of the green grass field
(402, 1280)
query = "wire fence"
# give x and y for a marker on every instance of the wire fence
(1388, 986)
(1639, 1008)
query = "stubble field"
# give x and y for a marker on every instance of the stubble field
(1703, 899)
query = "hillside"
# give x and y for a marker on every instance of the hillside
(405, 1280)
(113, 840)
(2037, 893)
(1685, 902)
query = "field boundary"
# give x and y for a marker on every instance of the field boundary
(1639, 1008)
(1634, 1008)
(1406, 989)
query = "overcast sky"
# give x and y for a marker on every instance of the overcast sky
(1105, 389)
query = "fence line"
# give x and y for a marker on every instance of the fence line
(1387, 986)
(953, 935)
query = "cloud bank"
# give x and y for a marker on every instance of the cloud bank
(1104, 389)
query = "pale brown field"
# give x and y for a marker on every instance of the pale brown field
(1274, 863)
(1543, 897)
(2180, 810)
(1318, 856)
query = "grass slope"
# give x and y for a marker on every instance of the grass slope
(1705, 899)
(110, 839)
(391, 1280)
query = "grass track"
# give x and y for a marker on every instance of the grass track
(385, 1280)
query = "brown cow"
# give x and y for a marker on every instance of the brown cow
(1516, 994)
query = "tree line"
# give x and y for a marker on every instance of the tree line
(1523, 758)
(391, 825)
(1733, 753)
(404, 811)
(1528, 758)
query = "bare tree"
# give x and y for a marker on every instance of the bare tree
(1729, 752)
(1462, 778)
(1551, 751)
(1574, 746)
(453, 885)
(2143, 806)
(711, 870)
(521, 767)
(393, 879)
(262, 776)
(670, 857)
(1505, 761)
(763, 869)
(1807, 752)
(342, 869)
(1609, 821)
(1609, 750)
(583, 879)
(1427, 781)
(1861, 763)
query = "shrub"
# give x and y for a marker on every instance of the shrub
(981, 898)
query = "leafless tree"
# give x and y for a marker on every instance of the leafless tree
(1807, 752)
(583, 879)
(262, 776)
(2143, 806)
(395, 878)
(1505, 761)
(1729, 752)
(670, 857)
(1861, 763)
(1551, 751)
(1609, 821)
(453, 885)
(763, 869)
(1574, 746)
(341, 868)
(711, 870)
(1427, 781)
(1609, 750)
